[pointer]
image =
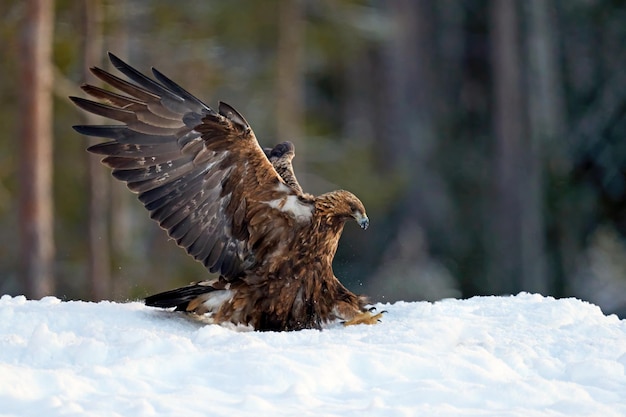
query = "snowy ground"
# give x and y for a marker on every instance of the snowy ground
(487, 356)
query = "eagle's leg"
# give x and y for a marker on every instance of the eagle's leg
(366, 317)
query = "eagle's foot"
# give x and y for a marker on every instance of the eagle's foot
(366, 317)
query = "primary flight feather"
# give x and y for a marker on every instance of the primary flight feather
(230, 204)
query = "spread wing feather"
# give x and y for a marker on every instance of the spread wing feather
(280, 156)
(168, 99)
(200, 173)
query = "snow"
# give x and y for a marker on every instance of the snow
(525, 355)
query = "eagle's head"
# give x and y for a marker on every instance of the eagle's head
(344, 205)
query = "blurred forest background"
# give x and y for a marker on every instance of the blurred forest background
(486, 138)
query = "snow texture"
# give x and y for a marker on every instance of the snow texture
(525, 355)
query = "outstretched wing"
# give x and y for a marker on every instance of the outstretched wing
(281, 156)
(200, 173)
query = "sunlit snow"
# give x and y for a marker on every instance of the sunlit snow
(525, 355)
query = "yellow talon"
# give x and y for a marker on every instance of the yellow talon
(364, 318)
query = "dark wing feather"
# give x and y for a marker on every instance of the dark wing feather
(177, 89)
(281, 156)
(168, 99)
(179, 297)
(200, 173)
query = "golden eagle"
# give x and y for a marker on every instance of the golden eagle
(231, 205)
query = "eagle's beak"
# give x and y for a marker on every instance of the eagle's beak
(362, 220)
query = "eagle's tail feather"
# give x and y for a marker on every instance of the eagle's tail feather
(180, 297)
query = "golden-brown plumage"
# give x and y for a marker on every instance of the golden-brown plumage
(204, 178)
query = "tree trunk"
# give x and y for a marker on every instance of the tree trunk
(518, 242)
(412, 141)
(506, 260)
(546, 126)
(99, 242)
(289, 85)
(35, 204)
(122, 224)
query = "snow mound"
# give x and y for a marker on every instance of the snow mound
(525, 355)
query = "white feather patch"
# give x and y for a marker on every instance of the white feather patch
(283, 188)
(292, 205)
(217, 298)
